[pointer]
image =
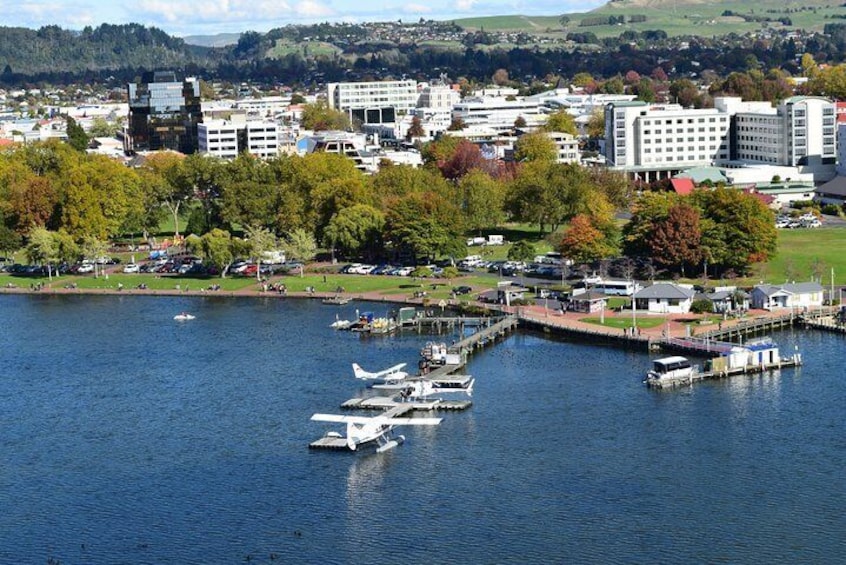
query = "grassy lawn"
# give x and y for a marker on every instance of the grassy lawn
(799, 249)
(621, 323)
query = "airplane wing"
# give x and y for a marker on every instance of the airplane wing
(413, 421)
(344, 419)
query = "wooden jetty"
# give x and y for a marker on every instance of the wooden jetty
(389, 403)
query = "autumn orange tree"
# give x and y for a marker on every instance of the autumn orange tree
(583, 242)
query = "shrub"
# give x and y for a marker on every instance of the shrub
(702, 306)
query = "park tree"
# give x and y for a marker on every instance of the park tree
(583, 242)
(483, 200)
(561, 121)
(675, 240)
(738, 229)
(93, 249)
(10, 241)
(465, 157)
(31, 202)
(100, 127)
(217, 248)
(300, 244)
(549, 194)
(398, 181)
(649, 209)
(522, 250)
(356, 231)
(423, 223)
(43, 249)
(440, 150)
(830, 82)
(535, 146)
(173, 189)
(259, 240)
(98, 195)
(320, 117)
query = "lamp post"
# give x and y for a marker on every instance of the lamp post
(634, 307)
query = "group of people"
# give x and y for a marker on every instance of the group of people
(275, 287)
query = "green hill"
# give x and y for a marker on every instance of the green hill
(677, 17)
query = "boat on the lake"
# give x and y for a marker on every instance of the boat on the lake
(184, 317)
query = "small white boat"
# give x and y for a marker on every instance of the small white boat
(671, 369)
(340, 324)
(183, 317)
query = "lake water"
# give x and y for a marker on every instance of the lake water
(127, 437)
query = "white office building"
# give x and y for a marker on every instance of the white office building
(226, 139)
(498, 114)
(373, 102)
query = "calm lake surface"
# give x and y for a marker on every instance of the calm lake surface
(127, 437)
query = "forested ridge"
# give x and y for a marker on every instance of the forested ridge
(116, 54)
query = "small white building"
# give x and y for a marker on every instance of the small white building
(664, 298)
(800, 296)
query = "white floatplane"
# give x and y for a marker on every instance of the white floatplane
(425, 388)
(183, 317)
(389, 375)
(376, 431)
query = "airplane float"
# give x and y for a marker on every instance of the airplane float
(365, 431)
(389, 375)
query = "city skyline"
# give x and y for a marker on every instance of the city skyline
(184, 18)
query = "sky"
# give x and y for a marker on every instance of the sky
(209, 17)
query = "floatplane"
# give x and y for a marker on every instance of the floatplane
(364, 431)
(391, 375)
(424, 388)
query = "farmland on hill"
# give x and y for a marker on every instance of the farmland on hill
(676, 17)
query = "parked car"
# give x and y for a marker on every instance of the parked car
(462, 290)
(131, 268)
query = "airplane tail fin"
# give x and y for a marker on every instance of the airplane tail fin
(359, 372)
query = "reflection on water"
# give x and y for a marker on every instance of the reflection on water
(152, 442)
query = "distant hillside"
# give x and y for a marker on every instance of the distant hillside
(705, 18)
(58, 51)
(218, 40)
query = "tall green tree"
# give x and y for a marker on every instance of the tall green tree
(43, 249)
(356, 231)
(320, 117)
(483, 200)
(425, 224)
(561, 121)
(535, 146)
(77, 138)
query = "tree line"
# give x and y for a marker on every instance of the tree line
(71, 203)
